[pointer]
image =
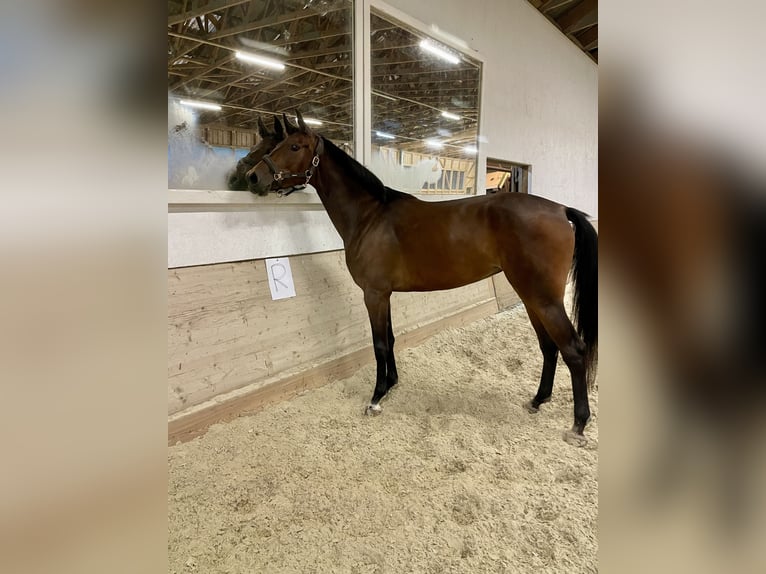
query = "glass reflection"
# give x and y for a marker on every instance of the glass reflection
(425, 111)
(232, 62)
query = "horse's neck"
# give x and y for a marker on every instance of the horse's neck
(347, 203)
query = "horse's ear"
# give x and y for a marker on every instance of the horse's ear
(291, 129)
(262, 131)
(278, 130)
(301, 123)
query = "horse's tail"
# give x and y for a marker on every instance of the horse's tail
(585, 278)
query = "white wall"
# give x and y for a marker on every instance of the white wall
(540, 92)
(206, 237)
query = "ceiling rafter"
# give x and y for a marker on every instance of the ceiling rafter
(579, 17)
(273, 21)
(215, 65)
(209, 7)
(577, 20)
(317, 52)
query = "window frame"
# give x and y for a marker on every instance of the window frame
(193, 200)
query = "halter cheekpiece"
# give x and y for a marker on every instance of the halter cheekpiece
(280, 175)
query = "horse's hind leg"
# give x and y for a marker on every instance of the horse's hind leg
(378, 308)
(554, 318)
(550, 358)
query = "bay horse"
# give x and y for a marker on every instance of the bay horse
(237, 177)
(396, 242)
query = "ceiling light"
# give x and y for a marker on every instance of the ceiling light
(203, 105)
(429, 46)
(472, 149)
(434, 144)
(385, 136)
(262, 60)
(450, 116)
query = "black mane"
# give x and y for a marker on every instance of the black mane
(368, 180)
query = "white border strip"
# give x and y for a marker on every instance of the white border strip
(362, 83)
(189, 200)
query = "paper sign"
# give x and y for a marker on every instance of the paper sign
(280, 278)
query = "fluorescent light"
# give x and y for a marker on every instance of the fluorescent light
(385, 136)
(450, 116)
(429, 46)
(203, 105)
(310, 121)
(434, 144)
(472, 149)
(263, 61)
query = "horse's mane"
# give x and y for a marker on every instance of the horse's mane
(368, 180)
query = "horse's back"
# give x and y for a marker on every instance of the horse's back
(425, 245)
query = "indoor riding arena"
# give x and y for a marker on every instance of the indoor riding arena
(382, 286)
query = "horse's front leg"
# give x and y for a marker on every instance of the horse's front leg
(392, 376)
(378, 305)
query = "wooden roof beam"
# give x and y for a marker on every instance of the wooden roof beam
(292, 94)
(553, 4)
(582, 16)
(589, 38)
(343, 48)
(303, 38)
(467, 77)
(236, 80)
(213, 6)
(182, 51)
(225, 60)
(298, 66)
(268, 86)
(274, 21)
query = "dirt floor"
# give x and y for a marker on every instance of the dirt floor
(453, 476)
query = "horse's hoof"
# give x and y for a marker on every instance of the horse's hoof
(531, 408)
(575, 439)
(373, 410)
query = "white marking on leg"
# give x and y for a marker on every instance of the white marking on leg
(374, 409)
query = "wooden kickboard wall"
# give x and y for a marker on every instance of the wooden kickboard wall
(226, 333)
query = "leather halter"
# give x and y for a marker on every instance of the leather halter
(281, 175)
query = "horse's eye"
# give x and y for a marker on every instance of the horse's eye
(295, 147)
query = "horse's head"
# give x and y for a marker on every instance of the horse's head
(269, 139)
(292, 162)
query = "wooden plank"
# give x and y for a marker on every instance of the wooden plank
(225, 332)
(470, 180)
(187, 426)
(504, 293)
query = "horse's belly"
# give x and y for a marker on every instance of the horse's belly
(446, 269)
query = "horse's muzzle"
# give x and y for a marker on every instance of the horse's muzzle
(255, 184)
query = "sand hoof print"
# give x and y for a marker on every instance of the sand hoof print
(373, 410)
(575, 439)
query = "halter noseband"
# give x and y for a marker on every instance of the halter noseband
(280, 175)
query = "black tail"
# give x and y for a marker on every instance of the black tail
(585, 275)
